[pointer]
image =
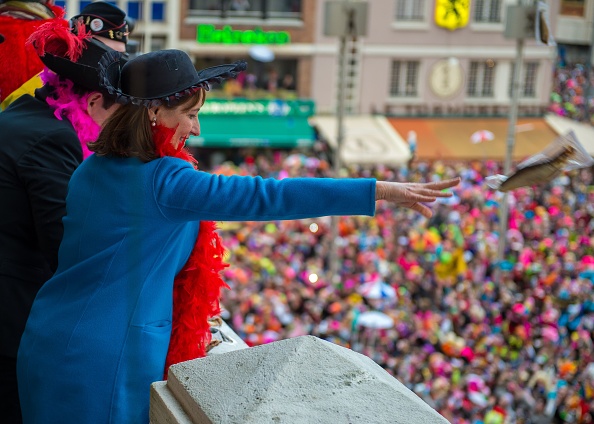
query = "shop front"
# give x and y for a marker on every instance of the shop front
(238, 122)
(275, 50)
(268, 106)
(367, 140)
(452, 138)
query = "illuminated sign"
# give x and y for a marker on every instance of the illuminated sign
(261, 107)
(209, 34)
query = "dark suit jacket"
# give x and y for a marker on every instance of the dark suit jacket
(38, 154)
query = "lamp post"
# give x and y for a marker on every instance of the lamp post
(521, 23)
(346, 19)
(510, 142)
(588, 89)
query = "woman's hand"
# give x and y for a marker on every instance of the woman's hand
(413, 195)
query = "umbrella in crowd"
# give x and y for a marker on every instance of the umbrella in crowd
(377, 290)
(480, 136)
(261, 53)
(375, 319)
(296, 159)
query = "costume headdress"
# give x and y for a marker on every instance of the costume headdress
(160, 77)
(73, 59)
(18, 19)
(73, 55)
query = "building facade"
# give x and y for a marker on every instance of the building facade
(413, 61)
(406, 64)
(574, 32)
(412, 66)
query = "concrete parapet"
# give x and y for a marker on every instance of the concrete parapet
(299, 380)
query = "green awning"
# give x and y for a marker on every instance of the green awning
(254, 131)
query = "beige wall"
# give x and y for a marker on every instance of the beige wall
(575, 29)
(387, 41)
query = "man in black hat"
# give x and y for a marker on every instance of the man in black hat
(106, 23)
(43, 139)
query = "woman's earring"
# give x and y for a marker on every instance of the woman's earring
(154, 122)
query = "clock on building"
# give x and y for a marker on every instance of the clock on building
(446, 78)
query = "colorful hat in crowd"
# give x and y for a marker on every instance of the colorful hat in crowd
(103, 20)
(159, 77)
(73, 55)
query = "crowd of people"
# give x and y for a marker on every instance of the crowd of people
(99, 304)
(571, 96)
(254, 85)
(481, 340)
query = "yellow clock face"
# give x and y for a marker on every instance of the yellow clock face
(446, 78)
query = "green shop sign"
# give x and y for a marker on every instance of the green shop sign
(214, 106)
(206, 33)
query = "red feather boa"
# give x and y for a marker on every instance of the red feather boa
(197, 287)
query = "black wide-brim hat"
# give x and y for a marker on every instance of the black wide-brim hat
(160, 77)
(84, 72)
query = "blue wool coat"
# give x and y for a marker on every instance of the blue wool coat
(99, 330)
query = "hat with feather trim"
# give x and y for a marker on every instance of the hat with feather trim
(160, 77)
(74, 56)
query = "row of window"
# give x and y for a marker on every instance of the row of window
(134, 9)
(483, 11)
(406, 10)
(480, 80)
(259, 9)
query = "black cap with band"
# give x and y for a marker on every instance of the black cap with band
(104, 20)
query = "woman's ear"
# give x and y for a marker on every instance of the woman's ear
(152, 112)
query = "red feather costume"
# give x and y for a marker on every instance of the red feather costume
(19, 60)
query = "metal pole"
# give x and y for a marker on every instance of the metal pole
(511, 136)
(333, 257)
(587, 86)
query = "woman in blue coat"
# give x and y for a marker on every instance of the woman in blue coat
(137, 225)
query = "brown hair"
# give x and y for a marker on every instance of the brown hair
(127, 132)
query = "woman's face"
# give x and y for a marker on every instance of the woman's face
(183, 119)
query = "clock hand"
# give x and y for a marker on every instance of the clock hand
(446, 77)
